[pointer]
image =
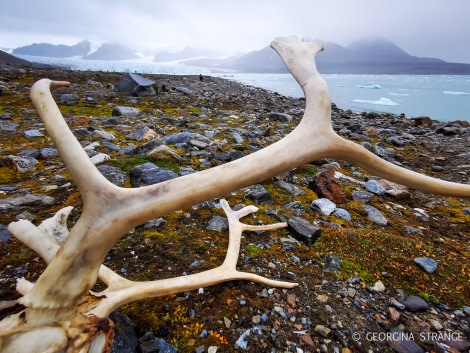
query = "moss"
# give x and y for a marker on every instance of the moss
(252, 250)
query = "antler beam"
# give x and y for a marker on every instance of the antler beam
(59, 304)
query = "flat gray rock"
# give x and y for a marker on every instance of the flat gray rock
(427, 264)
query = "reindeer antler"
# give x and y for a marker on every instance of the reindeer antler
(109, 212)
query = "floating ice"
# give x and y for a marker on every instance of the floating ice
(370, 86)
(456, 93)
(399, 94)
(381, 101)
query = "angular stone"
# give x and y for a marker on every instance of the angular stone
(325, 185)
(48, 152)
(303, 230)
(184, 137)
(325, 206)
(403, 343)
(20, 164)
(427, 264)
(218, 224)
(5, 235)
(290, 188)
(165, 153)
(375, 216)
(375, 187)
(101, 134)
(343, 214)
(149, 173)
(125, 339)
(332, 264)
(128, 112)
(142, 133)
(32, 133)
(296, 207)
(99, 158)
(69, 99)
(322, 330)
(414, 303)
(259, 194)
(363, 196)
(114, 175)
(276, 116)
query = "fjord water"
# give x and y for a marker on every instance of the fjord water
(441, 97)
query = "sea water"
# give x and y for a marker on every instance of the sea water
(441, 97)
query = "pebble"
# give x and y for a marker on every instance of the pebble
(375, 216)
(427, 264)
(325, 206)
(375, 187)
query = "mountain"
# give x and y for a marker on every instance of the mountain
(112, 51)
(186, 53)
(55, 51)
(367, 56)
(8, 59)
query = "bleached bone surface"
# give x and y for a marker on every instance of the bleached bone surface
(60, 308)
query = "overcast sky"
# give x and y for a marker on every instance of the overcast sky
(430, 28)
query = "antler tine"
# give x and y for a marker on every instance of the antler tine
(125, 291)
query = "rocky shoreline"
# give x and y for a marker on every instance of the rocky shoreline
(380, 266)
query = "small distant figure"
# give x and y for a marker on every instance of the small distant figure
(201, 78)
(164, 89)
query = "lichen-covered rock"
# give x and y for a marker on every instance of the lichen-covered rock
(149, 173)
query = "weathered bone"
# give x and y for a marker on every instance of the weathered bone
(60, 308)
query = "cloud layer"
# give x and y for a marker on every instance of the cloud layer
(432, 28)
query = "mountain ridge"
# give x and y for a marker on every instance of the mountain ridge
(364, 56)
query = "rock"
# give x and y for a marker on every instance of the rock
(218, 224)
(427, 264)
(322, 330)
(414, 303)
(45, 153)
(259, 194)
(69, 99)
(375, 187)
(79, 120)
(242, 341)
(449, 131)
(411, 230)
(290, 188)
(184, 137)
(101, 134)
(165, 153)
(100, 158)
(142, 133)
(158, 345)
(399, 194)
(32, 133)
(303, 230)
(378, 287)
(17, 204)
(127, 112)
(149, 173)
(184, 90)
(325, 206)
(362, 196)
(343, 214)
(325, 185)
(393, 315)
(8, 126)
(282, 117)
(125, 339)
(20, 164)
(375, 216)
(114, 175)
(332, 264)
(237, 137)
(146, 148)
(296, 207)
(5, 235)
(403, 343)
(423, 121)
